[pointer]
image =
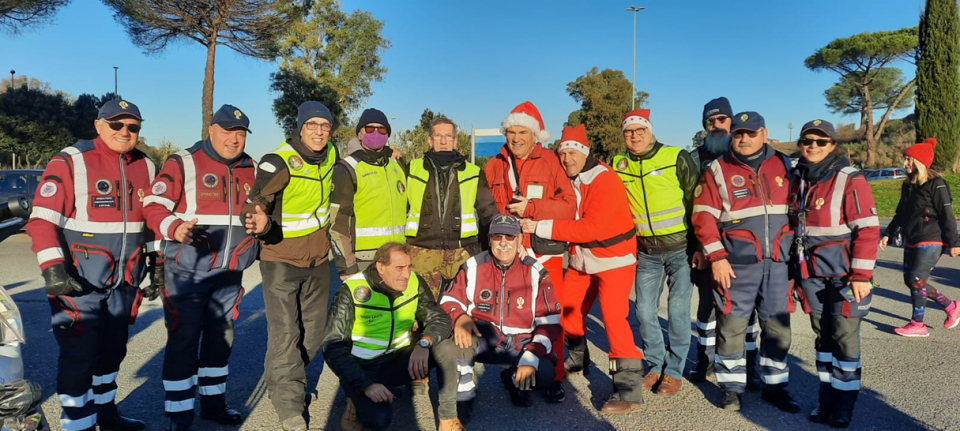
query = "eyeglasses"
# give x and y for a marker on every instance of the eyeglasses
(370, 129)
(717, 119)
(820, 142)
(441, 137)
(116, 126)
(500, 236)
(311, 126)
(637, 131)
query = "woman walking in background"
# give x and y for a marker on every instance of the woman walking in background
(925, 218)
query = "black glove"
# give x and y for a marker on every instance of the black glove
(57, 282)
(152, 290)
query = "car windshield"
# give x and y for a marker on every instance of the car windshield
(18, 183)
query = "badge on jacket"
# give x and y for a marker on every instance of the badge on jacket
(779, 181)
(520, 302)
(362, 294)
(534, 191)
(738, 181)
(48, 189)
(819, 203)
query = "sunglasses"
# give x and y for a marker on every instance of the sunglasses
(500, 236)
(370, 129)
(714, 120)
(116, 126)
(820, 142)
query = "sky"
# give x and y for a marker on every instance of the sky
(475, 61)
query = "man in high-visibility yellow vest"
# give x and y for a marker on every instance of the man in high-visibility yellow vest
(450, 202)
(288, 209)
(370, 344)
(660, 181)
(369, 198)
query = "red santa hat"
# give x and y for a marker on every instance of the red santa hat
(637, 116)
(922, 152)
(576, 138)
(526, 115)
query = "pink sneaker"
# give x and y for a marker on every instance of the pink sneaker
(953, 315)
(913, 329)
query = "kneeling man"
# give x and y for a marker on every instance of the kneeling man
(369, 343)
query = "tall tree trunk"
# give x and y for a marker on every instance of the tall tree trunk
(207, 104)
(871, 138)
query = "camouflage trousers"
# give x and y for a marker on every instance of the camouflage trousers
(437, 265)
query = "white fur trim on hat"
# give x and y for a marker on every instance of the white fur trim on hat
(636, 119)
(525, 120)
(575, 145)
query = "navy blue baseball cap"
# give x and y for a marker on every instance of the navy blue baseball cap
(505, 224)
(230, 117)
(822, 126)
(118, 108)
(747, 120)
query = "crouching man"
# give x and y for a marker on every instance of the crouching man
(505, 313)
(369, 343)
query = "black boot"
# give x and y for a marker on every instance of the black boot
(781, 399)
(704, 366)
(754, 381)
(578, 356)
(109, 419)
(841, 418)
(627, 393)
(223, 415)
(822, 412)
(464, 411)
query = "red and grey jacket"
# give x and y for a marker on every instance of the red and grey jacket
(87, 213)
(197, 183)
(837, 218)
(518, 300)
(602, 235)
(741, 215)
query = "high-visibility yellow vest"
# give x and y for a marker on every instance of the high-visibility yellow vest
(656, 198)
(306, 199)
(379, 205)
(381, 326)
(468, 180)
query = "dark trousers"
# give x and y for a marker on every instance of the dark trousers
(491, 348)
(392, 370)
(836, 324)
(763, 286)
(199, 317)
(91, 328)
(296, 302)
(707, 322)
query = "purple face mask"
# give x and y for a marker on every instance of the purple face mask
(374, 140)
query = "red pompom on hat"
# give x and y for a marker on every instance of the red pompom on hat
(576, 138)
(922, 152)
(637, 116)
(526, 115)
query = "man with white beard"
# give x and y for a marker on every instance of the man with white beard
(716, 121)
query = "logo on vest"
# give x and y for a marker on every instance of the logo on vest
(361, 294)
(737, 181)
(520, 302)
(779, 181)
(486, 295)
(104, 187)
(140, 194)
(210, 180)
(159, 188)
(622, 164)
(697, 191)
(657, 173)
(246, 188)
(819, 203)
(295, 162)
(400, 187)
(48, 189)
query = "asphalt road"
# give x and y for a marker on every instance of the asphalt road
(907, 383)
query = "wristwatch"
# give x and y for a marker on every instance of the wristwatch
(425, 343)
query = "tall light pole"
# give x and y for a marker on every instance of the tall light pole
(12, 73)
(633, 95)
(115, 95)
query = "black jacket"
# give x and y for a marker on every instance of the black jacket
(441, 203)
(925, 213)
(688, 173)
(337, 342)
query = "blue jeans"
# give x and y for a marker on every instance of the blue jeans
(652, 271)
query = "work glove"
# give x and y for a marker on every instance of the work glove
(58, 283)
(152, 290)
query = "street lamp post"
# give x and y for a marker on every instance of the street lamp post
(12, 73)
(115, 95)
(633, 95)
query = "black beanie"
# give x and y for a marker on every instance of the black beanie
(371, 115)
(716, 106)
(311, 109)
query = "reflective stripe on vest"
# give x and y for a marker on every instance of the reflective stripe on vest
(381, 326)
(305, 208)
(716, 170)
(468, 179)
(656, 198)
(380, 204)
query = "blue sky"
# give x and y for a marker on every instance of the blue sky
(475, 61)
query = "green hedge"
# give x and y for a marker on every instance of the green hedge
(887, 194)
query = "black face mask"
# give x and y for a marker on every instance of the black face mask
(309, 156)
(443, 158)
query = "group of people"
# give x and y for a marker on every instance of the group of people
(446, 264)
